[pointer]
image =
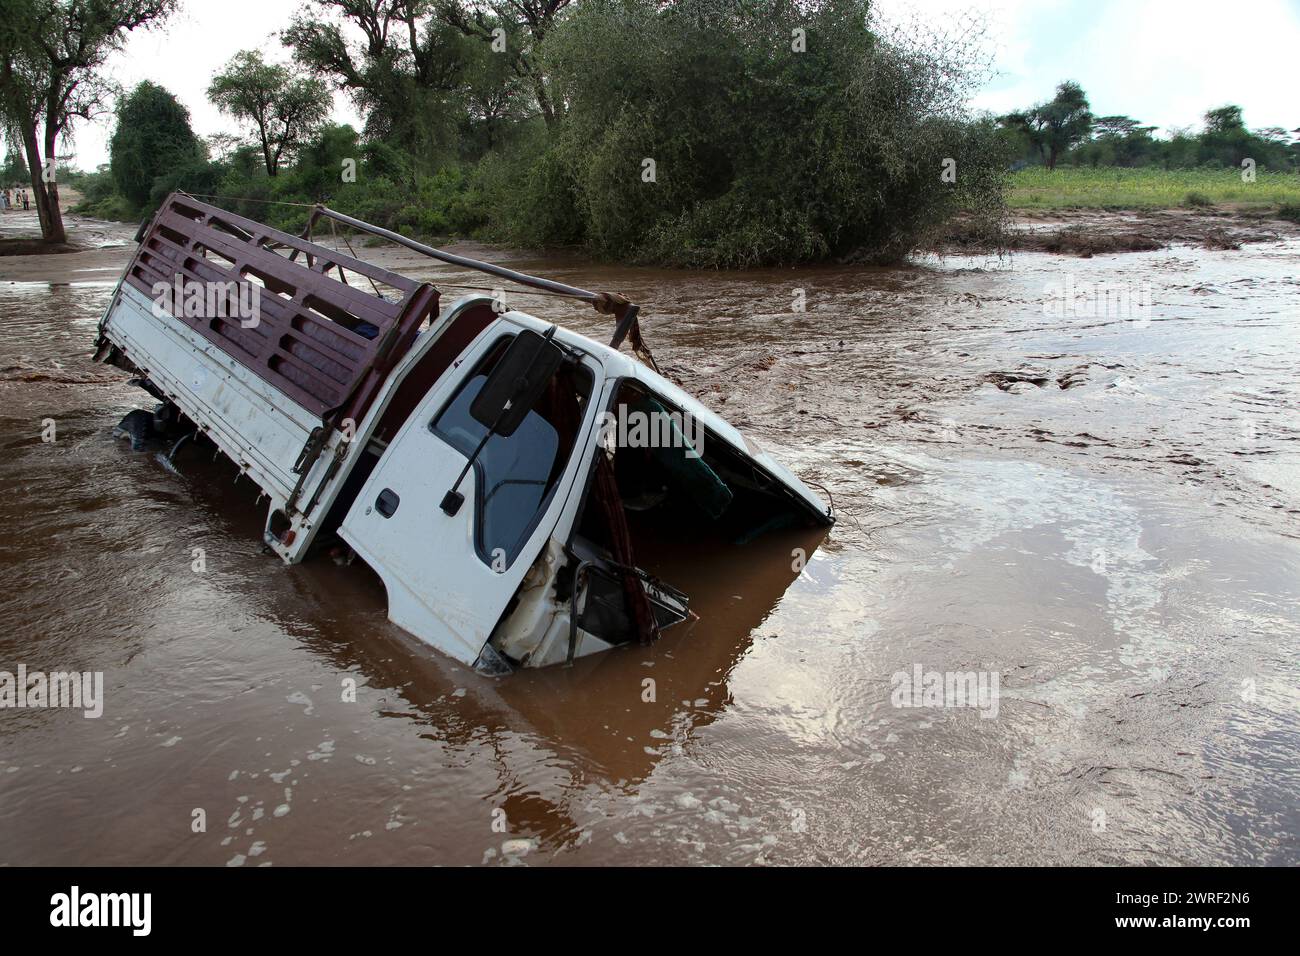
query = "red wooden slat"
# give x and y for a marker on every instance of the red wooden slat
(263, 234)
(304, 352)
(354, 299)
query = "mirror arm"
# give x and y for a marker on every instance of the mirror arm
(453, 499)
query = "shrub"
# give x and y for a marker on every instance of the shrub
(762, 154)
(152, 137)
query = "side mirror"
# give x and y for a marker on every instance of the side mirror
(517, 381)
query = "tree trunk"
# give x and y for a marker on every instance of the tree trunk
(544, 101)
(51, 221)
(57, 233)
(266, 148)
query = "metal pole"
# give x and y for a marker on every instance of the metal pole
(500, 271)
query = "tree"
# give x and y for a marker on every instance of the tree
(423, 70)
(1224, 120)
(1116, 141)
(316, 172)
(700, 135)
(1116, 127)
(403, 73)
(1274, 147)
(153, 137)
(52, 53)
(523, 24)
(1054, 127)
(284, 109)
(1227, 142)
(494, 97)
(15, 169)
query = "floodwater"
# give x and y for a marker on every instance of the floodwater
(1099, 510)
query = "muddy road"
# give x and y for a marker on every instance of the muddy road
(1081, 476)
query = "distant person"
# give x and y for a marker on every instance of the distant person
(5, 200)
(26, 202)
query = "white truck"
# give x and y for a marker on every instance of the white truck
(498, 473)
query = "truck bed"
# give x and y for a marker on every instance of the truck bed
(277, 395)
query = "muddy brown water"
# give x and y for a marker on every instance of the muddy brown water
(1102, 509)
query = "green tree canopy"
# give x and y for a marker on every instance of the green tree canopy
(52, 59)
(437, 79)
(15, 168)
(1055, 127)
(734, 134)
(284, 110)
(153, 137)
(1224, 120)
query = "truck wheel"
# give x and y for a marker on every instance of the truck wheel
(137, 426)
(166, 418)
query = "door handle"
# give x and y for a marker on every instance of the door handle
(387, 502)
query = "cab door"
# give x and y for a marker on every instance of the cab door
(450, 577)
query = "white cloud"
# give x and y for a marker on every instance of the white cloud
(1164, 62)
(1167, 61)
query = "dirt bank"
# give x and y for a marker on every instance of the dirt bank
(1089, 232)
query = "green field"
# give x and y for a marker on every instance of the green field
(1114, 188)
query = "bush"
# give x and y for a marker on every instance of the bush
(761, 154)
(99, 197)
(113, 208)
(529, 197)
(152, 137)
(1198, 200)
(199, 175)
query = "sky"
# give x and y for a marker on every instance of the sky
(1163, 62)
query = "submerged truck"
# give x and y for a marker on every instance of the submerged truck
(497, 472)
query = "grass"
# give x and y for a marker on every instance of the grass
(1112, 188)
